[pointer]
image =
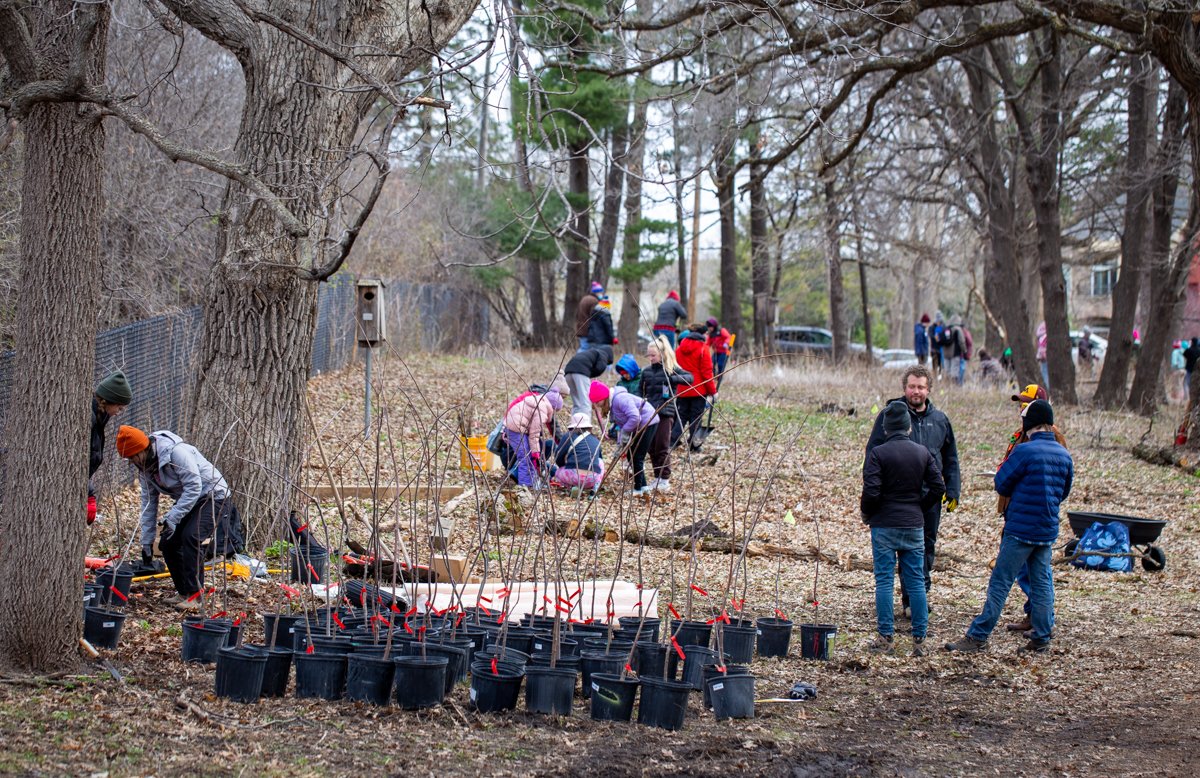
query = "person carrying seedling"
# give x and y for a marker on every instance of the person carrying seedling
(204, 521)
(1025, 397)
(112, 396)
(901, 481)
(931, 428)
(1037, 477)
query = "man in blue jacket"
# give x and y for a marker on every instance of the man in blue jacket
(931, 428)
(1036, 478)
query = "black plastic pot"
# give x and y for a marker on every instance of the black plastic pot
(275, 671)
(456, 660)
(520, 638)
(235, 630)
(322, 676)
(324, 645)
(309, 564)
(478, 638)
(369, 678)
(549, 690)
(693, 667)
(612, 697)
(708, 672)
(91, 595)
(495, 690)
(102, 627)
(774, 636)
(543, 643)
(503, 654)
(649, 628)
(239, 675)
(601, 644)
(598, 662)
(692, 633)
(573, 663)
(420, 681)
(663, 704)
(738, 641)
(732, 696)
(650, 658)
(201, 641)
(372, 649)
(119, 578)
(816, 640)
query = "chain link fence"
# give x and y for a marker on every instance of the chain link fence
(157, 354)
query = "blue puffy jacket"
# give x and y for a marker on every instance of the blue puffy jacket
(1036, 477)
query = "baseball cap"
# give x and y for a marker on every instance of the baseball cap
(1030, 393)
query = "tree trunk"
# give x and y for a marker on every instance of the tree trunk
(631, 311)
(833, 260)
(760, 259)
(731, 299)
(1168, 278)
(614, 181)
(578, 243)
(540, 328)
(1111, 389)
(1041, 167)
(42, 526)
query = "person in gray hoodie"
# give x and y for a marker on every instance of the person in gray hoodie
(203, 522)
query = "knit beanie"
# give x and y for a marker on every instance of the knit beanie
(598, 392)
(1036, 414)
(673, 295)
(131, 441)
(597, 289)
(896, 419)
(555, 399)
(711, 322)
(115, 389)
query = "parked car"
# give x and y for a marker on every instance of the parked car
(1099, 346)
(898, 358)
(813, 341)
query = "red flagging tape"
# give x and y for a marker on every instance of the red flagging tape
(702, 592)
(337, 621)
(495, 667)
(411, 611)
(302, 528)
(218, 614)
(408, 628)
(737, 604)
(485, 599)
(674, 612)
(678, 650)
(628, 668)
(576, 593)
(779, 613)
(459, 619)
(395, 608)
(313, 572)
(238, 620)
(289, 591)
(309, 650)
(194, 596)
(117, 592)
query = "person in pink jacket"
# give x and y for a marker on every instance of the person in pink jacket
(526, 418)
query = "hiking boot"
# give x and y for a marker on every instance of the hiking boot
(1035, 647)
(1024, 625)
(185, 604)
(967, 645)
(919, 647)
(882, 645)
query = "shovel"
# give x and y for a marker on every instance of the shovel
(701, 433)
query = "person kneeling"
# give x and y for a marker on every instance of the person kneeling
(577, 454)
(901, 481)
(203, 522)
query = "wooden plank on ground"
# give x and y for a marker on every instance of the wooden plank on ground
(368, 491)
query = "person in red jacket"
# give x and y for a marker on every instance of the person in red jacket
(694, 356)
(719, 342)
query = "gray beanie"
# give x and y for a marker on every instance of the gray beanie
(115, 389)
(896, 419)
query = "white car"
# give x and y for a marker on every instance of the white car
(897, 358)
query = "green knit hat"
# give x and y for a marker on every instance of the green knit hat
(115, 389)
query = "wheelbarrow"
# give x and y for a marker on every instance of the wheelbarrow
(1142, 533)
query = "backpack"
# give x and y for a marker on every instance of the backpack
(1110, 538)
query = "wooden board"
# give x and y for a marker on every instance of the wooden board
(368, 491)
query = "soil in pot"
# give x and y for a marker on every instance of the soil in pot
(549, 690)
(201, 641)
(420, 681)
(496, 688)
(276, 671)
(322, 676)
(102, 627)
(732, 696)
(613, 696)
(816, 640)
(239, 675)
(774, 636)
(663, 703)
(369, 678)
(598, 662)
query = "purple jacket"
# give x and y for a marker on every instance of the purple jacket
(631, 413)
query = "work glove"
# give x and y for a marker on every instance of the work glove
(165, 531)
(148, 554)
(91, 509)
(950, 503)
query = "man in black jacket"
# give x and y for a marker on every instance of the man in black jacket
(579, 371)
(901, 481)
(111, 397)
(932, 429)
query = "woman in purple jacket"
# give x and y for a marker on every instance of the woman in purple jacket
(637, 423)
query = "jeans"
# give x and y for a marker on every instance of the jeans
(1015, 553)
(960, 369)
(719, 361)
(888, 543)
(933, 521)
(668, 334)
(1045, 375)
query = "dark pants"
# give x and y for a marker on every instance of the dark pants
(690, 411)
(193, 542)
(933, 520)
(637, 457)
(719, 361)
(660, 448)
